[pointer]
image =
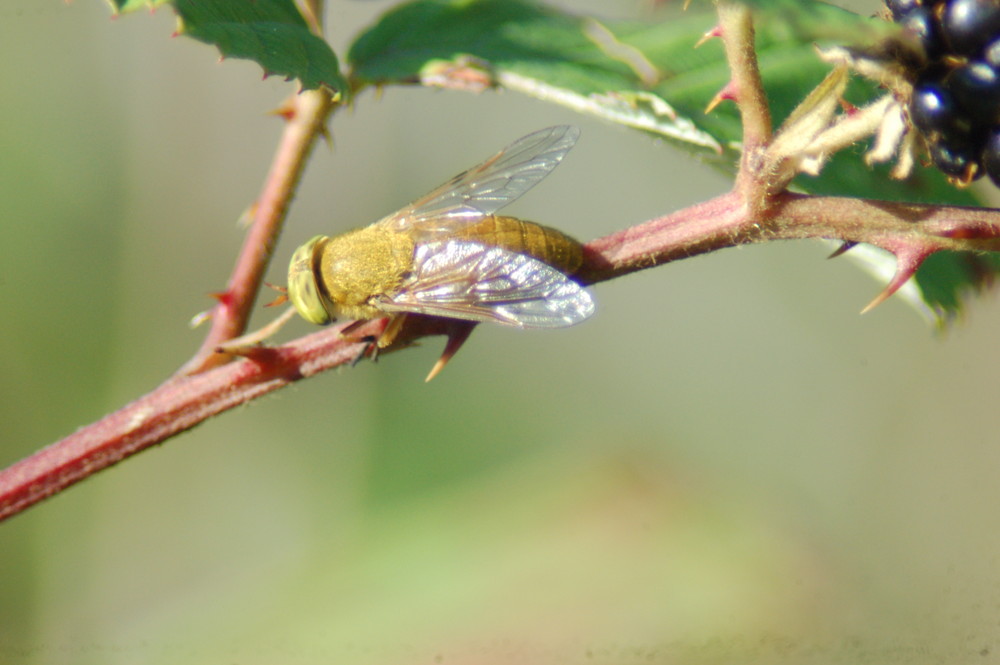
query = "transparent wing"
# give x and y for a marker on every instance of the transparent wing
(475, 282)
(484, 189)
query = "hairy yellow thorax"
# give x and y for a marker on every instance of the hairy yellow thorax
(358, 265)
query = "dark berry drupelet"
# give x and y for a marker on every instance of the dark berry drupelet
(968, 25)
(991, 155)
(956, 94)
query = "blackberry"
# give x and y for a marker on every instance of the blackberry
(991, 156)
(920, 21)
(991, 54)
(955, 103)
(956, 159)
(976, 89)
(933, 110)
(968, 25)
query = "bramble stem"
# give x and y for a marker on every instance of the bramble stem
(757, 210)
(747, 89)
(176, 406)
(306, 113)
(183, 402)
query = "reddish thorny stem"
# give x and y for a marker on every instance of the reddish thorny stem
(754, 211)
(305, 115)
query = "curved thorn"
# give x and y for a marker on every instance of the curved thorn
(728, 93)
(224, 298)
(457, 335)
(906, 266)
(711, 34)
(846, 246)
(881, 297)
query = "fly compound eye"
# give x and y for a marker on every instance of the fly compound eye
(303, 290)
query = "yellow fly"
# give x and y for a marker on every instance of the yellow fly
(448, 255)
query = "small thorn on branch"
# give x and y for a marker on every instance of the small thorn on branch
(727, 93)
(846, 246)
(457, 334)
(716, 31)
(847, 107)
(327, 137)
(906, 266)
(224, 298)
(286, 111)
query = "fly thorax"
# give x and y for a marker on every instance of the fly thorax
(363, 264)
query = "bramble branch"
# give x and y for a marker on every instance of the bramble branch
(184, 402)
(305, 115)
(758, 209)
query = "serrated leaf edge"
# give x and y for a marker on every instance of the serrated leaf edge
(608, 107)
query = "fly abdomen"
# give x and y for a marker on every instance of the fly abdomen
(541, 242)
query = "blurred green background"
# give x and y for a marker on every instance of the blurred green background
(727, 464)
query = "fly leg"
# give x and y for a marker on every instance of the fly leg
(373, 343)
(370, 349)
(244, 345)
(456, 330)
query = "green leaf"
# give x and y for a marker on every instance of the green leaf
(945, 278)
(811, 20)
(124, 6)
(539, 51)
(634, 73)
(270, 32)
(648, 75)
